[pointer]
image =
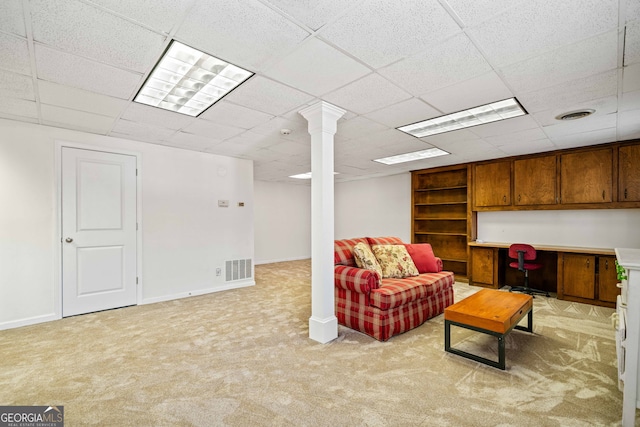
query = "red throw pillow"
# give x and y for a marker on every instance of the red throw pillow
(423, 257)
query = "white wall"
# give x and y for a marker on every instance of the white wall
(185, 236)
(374, 207)
(594, 228)
(282, 222)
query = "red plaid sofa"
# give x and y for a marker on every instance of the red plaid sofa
(395, 305)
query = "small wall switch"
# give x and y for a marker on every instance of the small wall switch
(218, 271)
(241, 204)
(223, 203)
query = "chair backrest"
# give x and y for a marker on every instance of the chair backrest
(529, 251)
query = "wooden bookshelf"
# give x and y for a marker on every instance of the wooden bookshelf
(441, 214)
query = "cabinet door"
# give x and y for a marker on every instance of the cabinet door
(578, 275)
(534, 181)
(629, 182)
(492, 184)
(482, 266)
(607, 279)
(587, 177)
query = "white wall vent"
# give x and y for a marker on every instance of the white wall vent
(238, 269)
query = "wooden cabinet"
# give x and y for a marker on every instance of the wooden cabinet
(440, 214)
(534, 181)
(492, 184)
(628, 176)
(586, 177)
(484, 267)
(587, 278)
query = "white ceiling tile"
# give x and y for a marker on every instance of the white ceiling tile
(404, 113)
(516, 137)
(477, 91)
(246, 33)
(379, 32)
(226, 113)
(602, 106)
(585, 58)
(358, 98)
(290, 148)
(630, 101)
(570, 93)
(18, 107)
(76, 119)
(586, 124)
(585, 138)
(142, 131)
(14, 54)
(312, 13)
(450, 62)
(536, 27)
(93, 33)
(212, 130)
(358, 127)
(632, 10)
(16, 86)
(317, 68)
(268, 96)
(468, 149)
(12, 17)
(629, 125)
(631, 78)
(473, 12)
(156, 116)
(451, 137)
(78, 99)
(161, 15)
(632, 44)
(184, 139)
(507, 126)
(528, 147)
(85, 74)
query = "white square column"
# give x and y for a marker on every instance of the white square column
(322, 118)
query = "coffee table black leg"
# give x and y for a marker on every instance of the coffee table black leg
(529, 327)
(501, 356)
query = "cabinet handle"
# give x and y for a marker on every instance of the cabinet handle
(588, 262)
(518, 197)
(625, 193)
(606, 264)
(504, 199)
(602, 194)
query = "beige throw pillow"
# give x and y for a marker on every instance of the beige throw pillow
(395, 261)
(365, 258)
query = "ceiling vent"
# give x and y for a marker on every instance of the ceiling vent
(574, 115)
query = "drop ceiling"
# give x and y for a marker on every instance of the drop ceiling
(78, 64)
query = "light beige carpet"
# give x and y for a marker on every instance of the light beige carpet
(243, 358)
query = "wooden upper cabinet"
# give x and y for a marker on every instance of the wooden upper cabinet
(587, 177)
(492, 184)
(629, 178)
(534, 181)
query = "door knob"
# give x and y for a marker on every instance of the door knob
(68, 240)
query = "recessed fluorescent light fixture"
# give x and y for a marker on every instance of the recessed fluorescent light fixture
(305, 175)
(410, 157)
(483, 114)
(188, 81)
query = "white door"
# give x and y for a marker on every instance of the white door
(98, 231)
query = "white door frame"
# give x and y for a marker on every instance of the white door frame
(57, 241)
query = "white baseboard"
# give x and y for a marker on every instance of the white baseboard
(271, 261)
(226, 287)
(29, 321)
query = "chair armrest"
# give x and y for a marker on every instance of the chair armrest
(439, 264)
(356, 279)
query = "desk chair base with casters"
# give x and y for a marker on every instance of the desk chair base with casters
(524, 254)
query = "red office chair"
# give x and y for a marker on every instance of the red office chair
(524, 253)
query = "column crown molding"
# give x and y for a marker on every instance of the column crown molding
(322, 115)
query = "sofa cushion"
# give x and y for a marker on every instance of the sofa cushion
(395, 261)
(365, 258)
(384, 241)
(396, 292)
(423, 257)
(343, 251)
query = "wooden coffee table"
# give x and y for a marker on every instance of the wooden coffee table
(491, 312)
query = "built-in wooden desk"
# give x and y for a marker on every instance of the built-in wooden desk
(579, 274)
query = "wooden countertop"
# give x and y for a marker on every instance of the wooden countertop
(550, 248)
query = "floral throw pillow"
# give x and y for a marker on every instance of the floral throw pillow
(395, 261)
(365, 258)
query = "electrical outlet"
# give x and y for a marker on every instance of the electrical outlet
(218, 271)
